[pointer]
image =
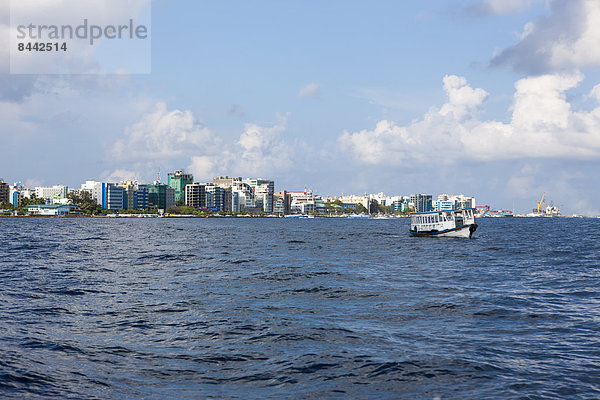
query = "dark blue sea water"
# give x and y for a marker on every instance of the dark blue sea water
(314, 308)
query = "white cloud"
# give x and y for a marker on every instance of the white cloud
(261, 149)
(121, 175)
(565, 40)
(463, 100)
(204, 168)
(164, 135)
(173, 137)
(310, 90)
(543, 125)
(595, 93)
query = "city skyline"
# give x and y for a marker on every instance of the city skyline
(499, 99)
(224, 194)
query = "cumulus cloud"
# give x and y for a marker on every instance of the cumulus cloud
(462, 99)
(543, 125)
(260, 150)
(164, 135)
(310, 90)
(565, 40)
(121, 175)
(204, 167)
(174, 137)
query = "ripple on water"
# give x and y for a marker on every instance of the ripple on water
(320, 308)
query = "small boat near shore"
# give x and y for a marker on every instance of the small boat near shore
(448, 223)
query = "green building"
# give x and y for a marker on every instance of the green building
(160, 196)
(178, 181)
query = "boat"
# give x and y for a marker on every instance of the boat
(544, 210)
(381, 216)
(448, 223)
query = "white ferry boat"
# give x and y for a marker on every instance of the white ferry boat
(450, 223)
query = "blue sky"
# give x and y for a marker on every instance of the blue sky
(496, 99)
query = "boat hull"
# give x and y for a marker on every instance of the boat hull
(465, 231)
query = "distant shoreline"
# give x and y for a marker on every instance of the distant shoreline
(133, 216)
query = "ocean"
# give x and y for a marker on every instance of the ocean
(298, 309)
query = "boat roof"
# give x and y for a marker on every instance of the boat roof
(439, 212)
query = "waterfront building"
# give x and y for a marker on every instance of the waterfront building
(245, 197)
(53, 209)
(178, 180)
(4, 192)
(238, 195)
(195, 195)
(112, 196)
(422, 202)
(263, 197)
(135, 197)
(215, 197)
(26, 193)
(443, 205)
(227, 199)
(95, 189)
(380, 198)
(226, 181)
(286, 199)
(462, 201)
(364, 200)
(15, 198)
(264, 190)
(455, 201)
(400, 204)
(235, 201)
(51, 192)
(141, 198)
(160, 196)
(279, 205)
(306, 202)
(129, 197)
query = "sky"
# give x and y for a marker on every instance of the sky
(498, 99)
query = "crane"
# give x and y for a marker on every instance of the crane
(540, 205)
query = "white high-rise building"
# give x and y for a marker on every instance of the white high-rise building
(51, 192)
(245, 197)
(94, 189)
(264, 190)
